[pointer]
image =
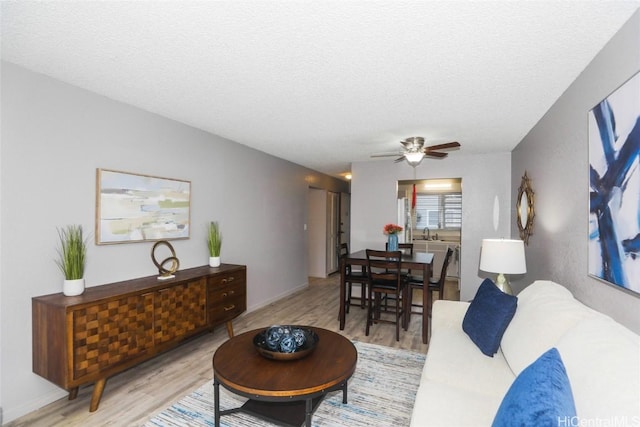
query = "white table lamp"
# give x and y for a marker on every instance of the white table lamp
(503, 256)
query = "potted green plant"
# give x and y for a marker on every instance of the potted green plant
(72, 255)
(215, 244)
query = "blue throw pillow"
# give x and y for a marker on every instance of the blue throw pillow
(488, 316)
(540, 396)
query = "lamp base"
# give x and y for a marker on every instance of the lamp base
(503, 285)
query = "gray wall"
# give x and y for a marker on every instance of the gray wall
(54, 136)
(484, 177)
(555, 156)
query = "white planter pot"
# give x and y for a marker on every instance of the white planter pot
(72, 288)
(214, 261)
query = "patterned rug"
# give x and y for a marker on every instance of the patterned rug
(381, 393)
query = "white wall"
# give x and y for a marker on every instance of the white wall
(374, 192)
(54, 136)
(555, 156)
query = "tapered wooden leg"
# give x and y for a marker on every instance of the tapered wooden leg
(230, 329)
(98, 388)
(73, 393)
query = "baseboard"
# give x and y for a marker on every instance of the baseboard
(32, 405)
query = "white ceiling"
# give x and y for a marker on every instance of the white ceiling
(322, 83)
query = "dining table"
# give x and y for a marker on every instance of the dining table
(416, 261)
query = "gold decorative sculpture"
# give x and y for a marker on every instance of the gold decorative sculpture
(175, 262)
(525, 209)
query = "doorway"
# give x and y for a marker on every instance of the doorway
(430, 210)
(333, 231)
(324, 232)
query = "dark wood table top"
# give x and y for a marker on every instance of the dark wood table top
(238, 366)
(415, 258)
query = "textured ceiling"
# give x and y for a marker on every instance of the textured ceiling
(322, 83)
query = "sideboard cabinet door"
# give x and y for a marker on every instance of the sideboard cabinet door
(179, 311)
(110, 333)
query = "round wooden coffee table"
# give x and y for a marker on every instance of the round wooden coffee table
(284, 392)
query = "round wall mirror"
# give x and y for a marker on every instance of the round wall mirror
(525, 209)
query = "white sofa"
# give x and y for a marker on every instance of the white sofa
(460, 386)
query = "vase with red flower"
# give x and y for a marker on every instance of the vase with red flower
(392, 230)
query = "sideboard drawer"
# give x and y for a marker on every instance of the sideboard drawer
(223, 280)
(226, 301)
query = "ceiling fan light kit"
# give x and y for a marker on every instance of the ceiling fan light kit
(414, 159)
(415, 151)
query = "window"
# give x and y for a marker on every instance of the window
(439, 211)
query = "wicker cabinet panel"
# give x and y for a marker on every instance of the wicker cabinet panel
(109, 333)
(179, 310)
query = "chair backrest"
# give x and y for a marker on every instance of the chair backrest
(359, 274)
(443, 273)
(342, 253)
(384, 268)
(405, 248)
(344, 250)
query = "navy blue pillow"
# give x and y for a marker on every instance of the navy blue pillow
(540, 396)
(488, 316)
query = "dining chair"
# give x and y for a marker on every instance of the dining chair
(406, 249)
(354, 276)
(386, 278)
(435, 285)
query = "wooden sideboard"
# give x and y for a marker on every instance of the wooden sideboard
(109, 328)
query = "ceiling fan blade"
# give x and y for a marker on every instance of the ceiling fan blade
(453, 144)
(414, 145)
(435, 154)
(387, 154)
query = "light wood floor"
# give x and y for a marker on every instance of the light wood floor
(132, 397)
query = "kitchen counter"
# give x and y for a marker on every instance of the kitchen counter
(419, 240)
(439, 249)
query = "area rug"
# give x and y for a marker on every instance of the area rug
(381, 393)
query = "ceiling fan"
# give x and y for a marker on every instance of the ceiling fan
(415, 151)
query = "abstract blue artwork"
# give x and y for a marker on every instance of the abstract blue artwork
(614, 187)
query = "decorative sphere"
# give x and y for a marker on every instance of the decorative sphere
(284, 339)
(299, 336)
(273, 336)
(288, 344)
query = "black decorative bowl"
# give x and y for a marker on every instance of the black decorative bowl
(286, 342)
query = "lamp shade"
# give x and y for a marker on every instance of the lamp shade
(414, 158)
(503, 256)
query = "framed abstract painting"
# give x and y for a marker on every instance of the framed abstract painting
(614, 187)
(138, 208)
